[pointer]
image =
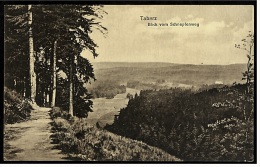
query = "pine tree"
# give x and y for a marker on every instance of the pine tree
(16, 52)
(54, 86)
(71, 81)
(19, 53)
(31, 53)
(71, 26)
(60, 34)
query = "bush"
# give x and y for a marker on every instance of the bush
(85, 143)
(16, 108)
(57, 112)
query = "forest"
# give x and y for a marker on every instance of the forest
(203, 126)
(106, 88)
(49, 64)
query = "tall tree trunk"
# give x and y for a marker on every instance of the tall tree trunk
(24, 87)
(54, 75)
(47, 94)
(71, 86)
(31, 56)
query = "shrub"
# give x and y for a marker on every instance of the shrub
(57, 112)
(16, 108)
(88, 143)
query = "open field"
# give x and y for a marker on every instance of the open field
(105, 109)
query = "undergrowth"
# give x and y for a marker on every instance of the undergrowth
(16, 107)
(87, 143)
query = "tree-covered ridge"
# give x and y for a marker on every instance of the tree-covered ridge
(190, 125)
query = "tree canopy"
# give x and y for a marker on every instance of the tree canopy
(70, 27)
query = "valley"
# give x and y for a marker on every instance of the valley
(105, 109)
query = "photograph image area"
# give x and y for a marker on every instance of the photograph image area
(129, 83)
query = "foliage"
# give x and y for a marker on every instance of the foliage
(57, 112)
(248, 46)
(129, 96)
(106, 88)
(16, 49)
(70, 27)
(183, 123)
(43, 71)
(81, 104)
(16, 108)
(88, 143)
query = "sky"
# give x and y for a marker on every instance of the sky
(130, 39)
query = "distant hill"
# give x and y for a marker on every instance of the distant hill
(104, 65)
(176, 74)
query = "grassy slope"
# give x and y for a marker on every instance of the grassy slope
(85, 143)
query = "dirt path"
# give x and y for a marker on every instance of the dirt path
(30, 140)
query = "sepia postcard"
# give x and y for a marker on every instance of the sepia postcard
(129, 82)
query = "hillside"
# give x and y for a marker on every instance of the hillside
(105, 65)
(210, 125)
(84, 142)
(175, 74)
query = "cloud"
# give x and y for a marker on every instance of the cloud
(130, 39)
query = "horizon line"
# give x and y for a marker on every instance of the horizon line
(161, 62)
